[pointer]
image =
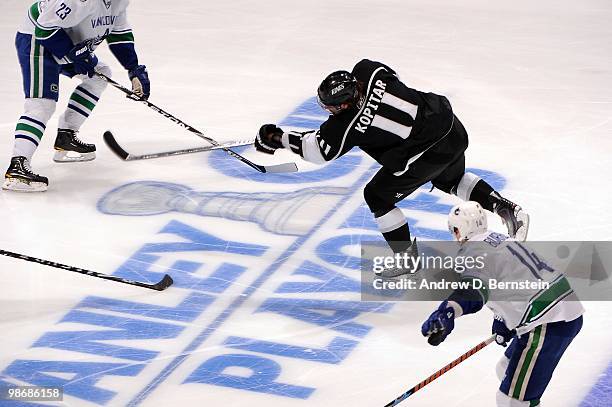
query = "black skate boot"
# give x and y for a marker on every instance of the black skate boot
(68, 148)
(19, 177)
(515, 219)
(406, 263)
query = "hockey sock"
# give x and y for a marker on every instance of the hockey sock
(81, 104)
(394, 228)
(84, 99)
(28, 134)
(31, 126)
(473, 188)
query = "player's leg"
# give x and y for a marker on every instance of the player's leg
(386, 189)
(68, 146)
(532, 360)
(41, 89)
(382, 194)
(470, 187)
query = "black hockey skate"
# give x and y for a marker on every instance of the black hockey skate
(69, 148)
(406, 265)
(515, 219)
(19, 177)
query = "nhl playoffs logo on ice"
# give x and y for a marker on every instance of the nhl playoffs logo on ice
(216, 245)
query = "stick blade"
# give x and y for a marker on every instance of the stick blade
(280, 168)
(165, 282)
(112, 144)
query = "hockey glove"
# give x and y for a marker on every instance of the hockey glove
(439, 324)
(141, 85)
(503, 335)
(83, 60)
(268, 139)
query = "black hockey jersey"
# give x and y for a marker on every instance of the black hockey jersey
(395, 124)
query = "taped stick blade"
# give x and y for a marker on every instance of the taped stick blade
(164, 283)
(112, 144)
(281, 168)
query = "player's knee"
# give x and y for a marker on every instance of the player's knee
(465, 185)
(104, 69)
(442, 186)
(373, 200)
(39, 109)
(501, 367)
(503, 400)
(96, 84)
(450, 187)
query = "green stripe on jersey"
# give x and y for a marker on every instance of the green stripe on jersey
(29, 129)
(547, 299)
(36, 69)
(124, 37)
(534, 345)
(41, 34)
(34, 11)
(82, 101)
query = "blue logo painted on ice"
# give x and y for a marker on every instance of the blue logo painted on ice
(315, 287)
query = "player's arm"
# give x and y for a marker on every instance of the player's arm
(50, 23)
(313, 146)
(468, 300)
(122, 46)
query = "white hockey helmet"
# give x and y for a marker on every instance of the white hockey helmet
(467, 219)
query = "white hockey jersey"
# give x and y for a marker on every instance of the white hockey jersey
(537, 294)
(82, 20)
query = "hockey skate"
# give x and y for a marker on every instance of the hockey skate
(513, 216)
(407, 265)
(69, 148)
(19, 177)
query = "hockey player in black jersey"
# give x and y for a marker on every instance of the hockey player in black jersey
(414, 136)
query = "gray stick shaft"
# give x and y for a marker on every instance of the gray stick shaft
(290, 167)
(193, 150)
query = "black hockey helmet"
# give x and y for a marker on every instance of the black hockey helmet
(339, 87)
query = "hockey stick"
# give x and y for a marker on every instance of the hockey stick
(287, 167)
(441, 372)
(114, 146)
(159, 286)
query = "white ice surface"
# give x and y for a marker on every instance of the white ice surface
(531, 81)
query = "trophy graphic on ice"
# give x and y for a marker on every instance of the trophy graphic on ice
(291, 213)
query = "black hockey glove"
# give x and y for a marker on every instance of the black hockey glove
(503, 335)
(439, 324)
(268, 139)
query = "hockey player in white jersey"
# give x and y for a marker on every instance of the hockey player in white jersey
(540, 323)
(59, 37)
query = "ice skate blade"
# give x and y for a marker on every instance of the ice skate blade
(62, 156)
(521, 233)
(18, 185)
